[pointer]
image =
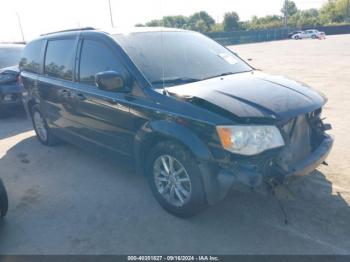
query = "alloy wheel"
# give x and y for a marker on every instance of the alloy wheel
(40, 126)
(171, 180)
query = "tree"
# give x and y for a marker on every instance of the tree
(178, 21)
(334, 11)
(201, 21)
(155, 23)
(266, 22)
(231, 21)
(305, 18)
(291, 8)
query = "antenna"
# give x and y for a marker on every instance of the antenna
(110, 13)
(162, 47)
(286, 13)
(20, 26)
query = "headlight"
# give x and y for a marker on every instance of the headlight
(249, 140)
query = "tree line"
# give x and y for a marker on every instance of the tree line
(334, 12)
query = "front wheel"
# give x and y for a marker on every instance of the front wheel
(175, 179)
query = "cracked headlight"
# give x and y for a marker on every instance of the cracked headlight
(249, 140)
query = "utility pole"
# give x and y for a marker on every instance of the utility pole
(285, 13)
(110, 13)
(20, 27)
(347, 11)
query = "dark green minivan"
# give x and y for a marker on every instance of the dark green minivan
(192, 115)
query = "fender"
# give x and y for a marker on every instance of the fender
(216, 184)
(168, 130)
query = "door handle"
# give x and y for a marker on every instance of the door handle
(80, 97)
(65, 93)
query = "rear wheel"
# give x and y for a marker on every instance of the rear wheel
(175, 179)
(42, 130)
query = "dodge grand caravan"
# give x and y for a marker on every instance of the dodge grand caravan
(193, 116)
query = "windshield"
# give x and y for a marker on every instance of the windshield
(9, 55)
(175, 58)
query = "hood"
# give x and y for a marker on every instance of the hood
(8, 80)
(253, 95)
(10, 69)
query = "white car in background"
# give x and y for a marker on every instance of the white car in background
(311, 33)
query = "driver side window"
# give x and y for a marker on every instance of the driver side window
(96, 57)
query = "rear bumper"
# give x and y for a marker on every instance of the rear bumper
(10, 99)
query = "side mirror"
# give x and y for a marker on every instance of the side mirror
(110, 81)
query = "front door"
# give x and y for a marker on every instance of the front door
(103, 116)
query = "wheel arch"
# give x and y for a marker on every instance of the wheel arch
(154, 132)
(32, 102)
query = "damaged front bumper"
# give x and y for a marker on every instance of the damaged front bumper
(314, 160)
(217, 186)
(307, 145)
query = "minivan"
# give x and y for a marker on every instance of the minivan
(192, 115)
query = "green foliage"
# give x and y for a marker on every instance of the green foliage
(291, 8)
(231, 21)
(155, 22)
(331, 13)
(305, 18)
(266, 22)
(218, 27)
(178, 21)
(334, 11)
(200, 21)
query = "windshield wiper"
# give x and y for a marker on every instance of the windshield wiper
(175, 80)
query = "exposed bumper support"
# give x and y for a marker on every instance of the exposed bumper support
(218, 185)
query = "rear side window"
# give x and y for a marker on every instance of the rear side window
(31, 58)
(97, 57)
(59, 58)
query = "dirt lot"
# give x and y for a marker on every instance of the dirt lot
(66, 201)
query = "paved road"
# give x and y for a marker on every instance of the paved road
(67, 201)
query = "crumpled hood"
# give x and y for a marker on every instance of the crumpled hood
(254, 95)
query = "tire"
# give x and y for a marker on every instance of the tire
(313, 37)
(191, 183)
(3, 200)
(48, 139)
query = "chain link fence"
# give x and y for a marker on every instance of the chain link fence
(255, 36)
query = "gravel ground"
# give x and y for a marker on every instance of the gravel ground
(67, 201)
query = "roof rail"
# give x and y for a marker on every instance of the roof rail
(70, 30)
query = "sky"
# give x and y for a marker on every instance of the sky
(43, 16)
